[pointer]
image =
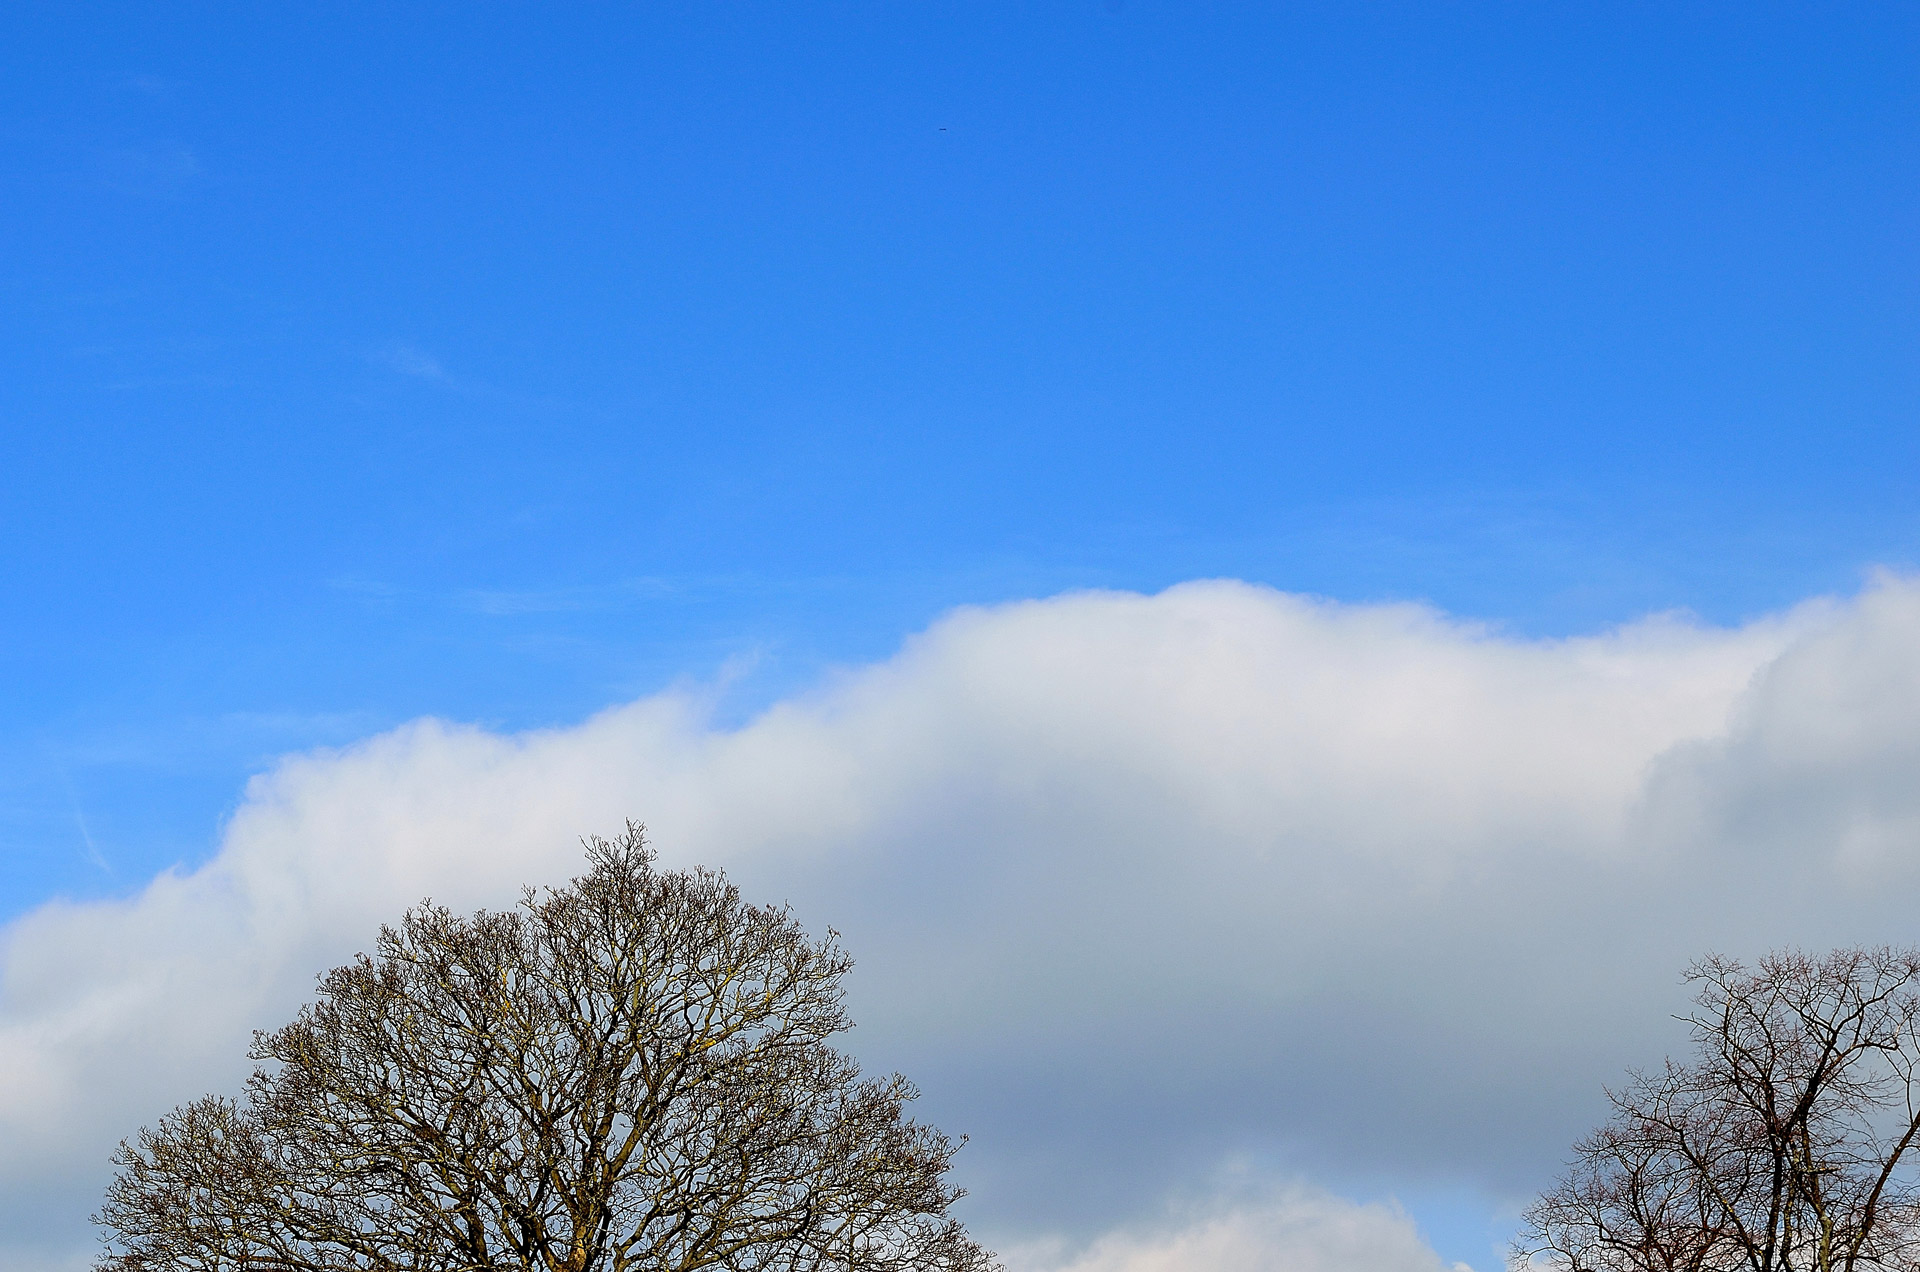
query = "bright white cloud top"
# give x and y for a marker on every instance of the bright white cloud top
(1138, 885)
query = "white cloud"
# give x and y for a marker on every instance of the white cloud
(1295, 1230)
(1136, 882)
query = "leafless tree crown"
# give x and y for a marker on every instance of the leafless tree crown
(631, 1072)
(1786, 1145)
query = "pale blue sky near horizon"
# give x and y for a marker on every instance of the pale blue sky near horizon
(503, 363)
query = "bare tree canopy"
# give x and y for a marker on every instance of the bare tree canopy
(1786, 1145)
(631, 1072)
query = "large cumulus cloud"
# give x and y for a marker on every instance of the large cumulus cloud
(1137, 883)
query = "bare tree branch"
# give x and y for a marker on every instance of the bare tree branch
(630, 1072)
(1787, 1145)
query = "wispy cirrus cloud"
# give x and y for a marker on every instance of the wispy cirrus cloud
(410, 360)
(157, 170)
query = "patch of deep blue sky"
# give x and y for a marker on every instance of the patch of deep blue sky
(504, 362)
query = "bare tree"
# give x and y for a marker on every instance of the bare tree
(1786, 1145)
(631, 1072)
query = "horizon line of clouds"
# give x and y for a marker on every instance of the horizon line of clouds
(1139, 884)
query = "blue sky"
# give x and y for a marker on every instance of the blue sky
(499, 363)
(506, 363)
